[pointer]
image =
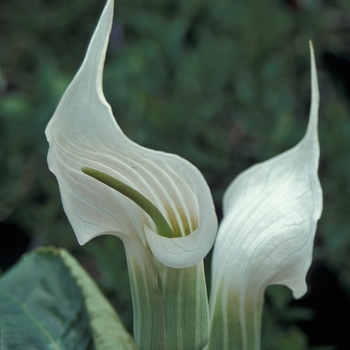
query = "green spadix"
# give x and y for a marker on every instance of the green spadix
(162, 225)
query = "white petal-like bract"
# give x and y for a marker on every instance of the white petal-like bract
(84, 133)
(166, 273)
(267, 234)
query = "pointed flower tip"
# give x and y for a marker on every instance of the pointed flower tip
(315, 98)
(85, 90)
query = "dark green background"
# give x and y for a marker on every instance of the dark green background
(224, 84)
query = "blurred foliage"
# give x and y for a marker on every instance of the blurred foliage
(224, 84)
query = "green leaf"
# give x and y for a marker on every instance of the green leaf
(49, 302)
(107, 328)
(41, 306)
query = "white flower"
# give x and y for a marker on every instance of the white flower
(266, 237)
(84, 134)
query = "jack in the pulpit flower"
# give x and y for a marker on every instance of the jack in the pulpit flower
(266, 237)
(158, 204)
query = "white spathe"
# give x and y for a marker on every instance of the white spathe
(270, 216)
(84, 133)
(266, 237)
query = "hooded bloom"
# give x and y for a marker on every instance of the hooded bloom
(266, 237)
(83, 134)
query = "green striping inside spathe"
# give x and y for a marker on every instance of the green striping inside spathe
(162, 225)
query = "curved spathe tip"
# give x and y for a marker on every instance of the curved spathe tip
(182, 252)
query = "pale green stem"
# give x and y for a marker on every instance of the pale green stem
(236, 321)
(185, 305)
(149, 327)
